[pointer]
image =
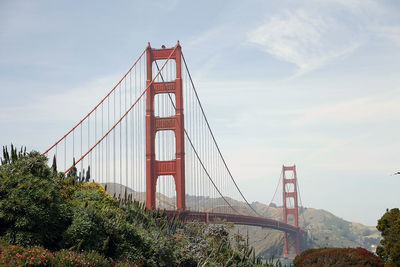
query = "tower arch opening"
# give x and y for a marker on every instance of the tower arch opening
(166, 192)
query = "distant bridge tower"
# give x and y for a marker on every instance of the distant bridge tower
(290, 210)
(175, 167)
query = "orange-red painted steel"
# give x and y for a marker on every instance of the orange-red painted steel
(87, 115)
(175, 167)
(126, 113)
(291, 239)
(213, 217)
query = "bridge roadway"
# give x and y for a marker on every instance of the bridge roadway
(212, 217)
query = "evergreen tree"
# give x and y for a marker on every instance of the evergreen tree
(73, 171)
(88, 174)
(54, 165)
(12, 157)
(389, 226)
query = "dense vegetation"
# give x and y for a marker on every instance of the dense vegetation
(337, 257)
(49, 219)
(389, 226)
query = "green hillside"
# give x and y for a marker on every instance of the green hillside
(324, 228)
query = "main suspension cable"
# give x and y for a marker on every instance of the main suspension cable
(109, 93)
(194, 149)
(276, 190)
(301, 203)
(117, 123)
(215, 142)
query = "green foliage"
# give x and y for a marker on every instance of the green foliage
(98, 224)
(82, 223)
(73, 172)
(32, 211)
(389, 226)
(11, 255)
(13, 155)
(54, 165)
(86, 258)
(68, 187)
(20, 256)
(337, 257)
(87, 179)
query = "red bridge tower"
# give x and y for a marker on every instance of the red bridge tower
(291, 211)
(175, 167)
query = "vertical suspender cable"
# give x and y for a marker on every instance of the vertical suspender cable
(131, 136)
(81, 150)
(126, 141)
(108, 150)
(120, 142)
(212, 135)
(114, 154)
(88, 144)
(138, 150)
(56, 153)
(97, 151)
(102, 152)
(65, 153)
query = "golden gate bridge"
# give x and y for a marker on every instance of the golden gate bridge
(150, 135)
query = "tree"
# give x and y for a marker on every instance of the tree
(13, 156)
(389, 226)
(87, 179)
(54, 165)
(31, 208)
(73, 172)
(40, 207)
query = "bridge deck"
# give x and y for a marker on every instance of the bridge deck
(211, 217)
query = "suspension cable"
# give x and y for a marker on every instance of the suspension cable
(276, 190)
(215, 142)
(301, 203)
(109, 93)
(137, 100)
(194, 149)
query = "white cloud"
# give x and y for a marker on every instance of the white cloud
(303, 38)
(365, 109)
(377, 18)
(322, 31)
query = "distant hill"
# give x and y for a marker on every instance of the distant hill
(324, 228)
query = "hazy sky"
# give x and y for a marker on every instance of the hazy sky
(315, 83)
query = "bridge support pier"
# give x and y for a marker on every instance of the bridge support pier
(175, 167)
(290, 210)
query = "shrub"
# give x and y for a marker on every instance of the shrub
(20, 256)
(99, 224)
(85, 258)
(32, 211)
(40, 207)
(337, 257)
(12, 255)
